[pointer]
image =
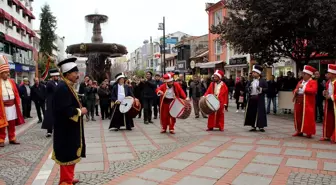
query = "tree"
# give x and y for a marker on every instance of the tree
(48, 36)
(269, 29)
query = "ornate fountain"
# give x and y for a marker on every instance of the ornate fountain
(98, 53)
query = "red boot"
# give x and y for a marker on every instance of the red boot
(297, 134)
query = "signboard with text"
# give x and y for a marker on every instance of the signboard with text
(238, 61)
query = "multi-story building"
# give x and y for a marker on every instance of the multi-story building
(16, 37)
(58, 53)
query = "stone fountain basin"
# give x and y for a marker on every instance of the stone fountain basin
(85, 49)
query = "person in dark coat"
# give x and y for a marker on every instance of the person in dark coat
(156, 103)
(104, 100)
(118, 94)
(148, 95)
(319, 97)
(272, 92)
(38, 95)
(256, 111)
(90, 99)
(69, 141)
(48, 121)
(25, 94)
(82, 89)
(240, 94)
(138, 92)
(230, 83)
(183, 83)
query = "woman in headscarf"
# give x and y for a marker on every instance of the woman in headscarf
(119, 91)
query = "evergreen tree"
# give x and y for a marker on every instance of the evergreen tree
(269, 29)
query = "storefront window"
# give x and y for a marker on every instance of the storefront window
(282, 70)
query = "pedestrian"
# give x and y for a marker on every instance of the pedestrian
(10, 113)
(255, 111)
(220, 90)
(272, 92)
(240, 94)
(195, 93)
(304, 107)
(38, 95)
(183, 83)
(319, 97)
(82, 89)
(231, 85)
(90, 99)
(25, 94)
(148, 96)
(95, 84)
(104, 100)
(138, 92)
(48, 122)
(168, 92)
(329, 130)
(69, 140)
(156, 103)
(118, 94)
(289, 84)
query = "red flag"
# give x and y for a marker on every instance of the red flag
(45, 73)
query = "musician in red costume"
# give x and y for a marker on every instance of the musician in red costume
(220, 90)
(168, 92)
(329, 107)
(304, 107)
(10, 113)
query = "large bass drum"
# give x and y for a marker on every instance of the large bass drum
(209, 104)
(180, 108)
(129, 106)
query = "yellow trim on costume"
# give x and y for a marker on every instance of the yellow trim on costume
(334, 109)
(53, 157)
(75, 117)
(304, 112)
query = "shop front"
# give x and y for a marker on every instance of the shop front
(283, 66)
(237, 67)
(22, 71)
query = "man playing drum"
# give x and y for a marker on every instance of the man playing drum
(168, 91)
(219, 89)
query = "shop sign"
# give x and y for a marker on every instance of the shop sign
(24, 68)
(192, 64)
(11, 66)
(238, 61)
(181, 65)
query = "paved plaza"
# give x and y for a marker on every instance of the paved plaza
(191, 156)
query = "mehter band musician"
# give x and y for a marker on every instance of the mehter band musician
(304, 107)
(220, 90)
(10, 113)
(329, 107)
(168, 91)
(119, 92)
(255, 111)
(69, 140)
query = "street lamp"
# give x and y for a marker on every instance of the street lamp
(162, 26)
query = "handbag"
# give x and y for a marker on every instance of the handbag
(241, 99)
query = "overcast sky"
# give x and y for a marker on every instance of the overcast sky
(130, 21)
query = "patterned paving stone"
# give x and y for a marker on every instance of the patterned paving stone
(140, 142)
(232, 154)
(90, 167)
(260, 169)
(220, 138)
(115, 143)
(324, 146)
(303, 153)
(164, 141)
(300, 163)
(242, 148)
(268, 142)
(243, 141)
(329, 166)
(268, 150)
(157, 174)
(190, 156)
(120, 149)
(195, 181)
(210, 172)
(268, 159)
(175, 164)
(223, 163)
(296, 178)
(137, 181)
(120, 156)
(92, 158)
(212, 143)
(244, 179)
(201, 149)
(295, 144)
(326, 155)
(140, 148)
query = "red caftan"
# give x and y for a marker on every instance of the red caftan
(216, 120)
(165, 118)
(304, 109)
(329, 114)
(3, 120)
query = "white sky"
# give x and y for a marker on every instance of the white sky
(130, 21)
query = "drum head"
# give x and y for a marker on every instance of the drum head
(126, 104)
(176, 108)
(212, 102)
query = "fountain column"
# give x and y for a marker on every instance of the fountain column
(96, 37)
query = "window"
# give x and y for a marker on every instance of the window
(218, 17)
(10, 3)
(218, 58)
(219, 47)
(18, 29)
(17, 9)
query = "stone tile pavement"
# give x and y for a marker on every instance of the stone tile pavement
(194, 156)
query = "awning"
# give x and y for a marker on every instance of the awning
(5, 15)
(17, 42)
(201, 55)
(209, 64)
(230, 66)
(16, 2)
(15, 22)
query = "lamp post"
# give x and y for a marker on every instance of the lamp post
(162, 26)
